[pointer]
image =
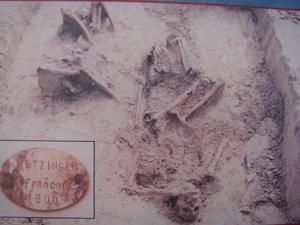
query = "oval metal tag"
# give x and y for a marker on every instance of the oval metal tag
(44, 179)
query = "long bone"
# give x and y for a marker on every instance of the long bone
(140, 106)
(188, 64)
(95, 15)
(100, 83)
(212, 166)
(97, 9)
(208, 95)
(162, 113)
(70, 17)
(145, 89)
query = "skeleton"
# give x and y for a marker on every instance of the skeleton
(185, 204)
(156, 120)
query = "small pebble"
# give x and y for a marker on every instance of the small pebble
(250, 177)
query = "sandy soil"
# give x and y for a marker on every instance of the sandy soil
(147, 175)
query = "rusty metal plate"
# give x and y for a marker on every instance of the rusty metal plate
(44, 179)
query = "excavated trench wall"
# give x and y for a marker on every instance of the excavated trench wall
(286, 83)
(15, 17)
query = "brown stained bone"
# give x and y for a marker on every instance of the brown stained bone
(208, 95)
(62, 72)
(162, 113)
(212, 166)
(70, 18)
(100, 83)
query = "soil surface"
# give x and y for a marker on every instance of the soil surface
(159, 171)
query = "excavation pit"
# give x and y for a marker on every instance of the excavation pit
(258, 110)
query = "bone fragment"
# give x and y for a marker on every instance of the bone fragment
(248, 161)
(140, 107)
(212, 166)
(96, 11)
(160, 114)
(99, 18)
(208, 95)
(188, 64)
(45, 70)
(165, 192)
(250, 177)
(172, 40)
(67, 84)
(69, 16)
(104, 10)
(186, 61)
(94, 14)
(99, 83)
